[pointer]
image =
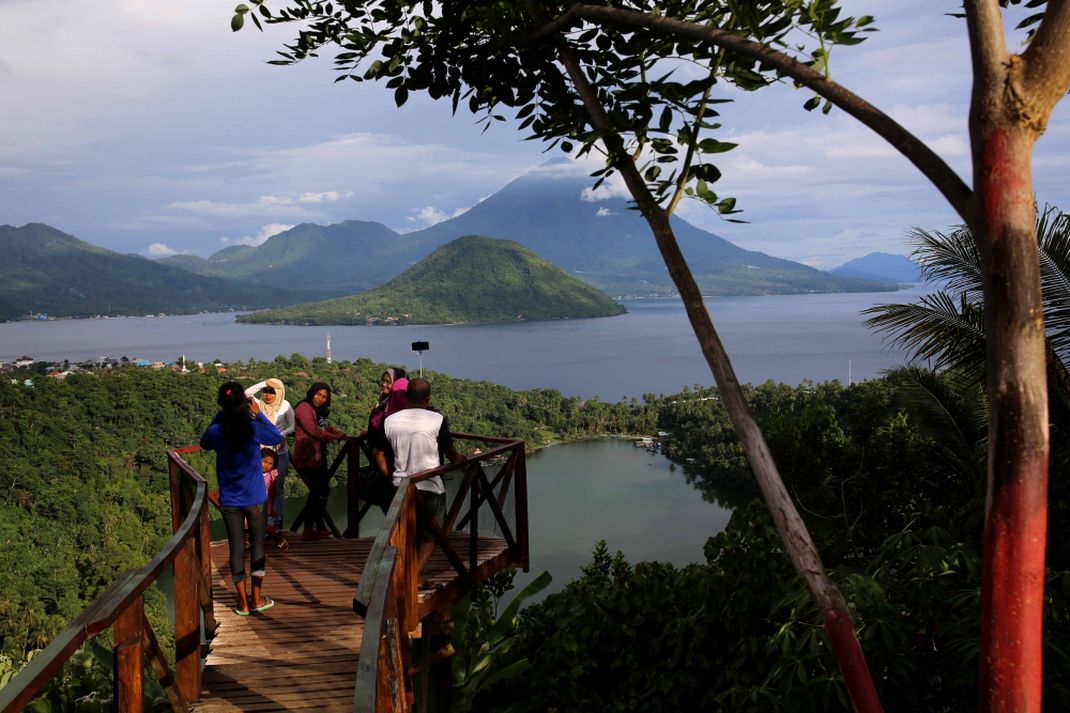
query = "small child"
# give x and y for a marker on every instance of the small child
(269, 461)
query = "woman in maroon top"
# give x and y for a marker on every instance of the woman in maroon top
(312, 432)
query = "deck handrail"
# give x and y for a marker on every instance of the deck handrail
(121, 606)
(387, 595)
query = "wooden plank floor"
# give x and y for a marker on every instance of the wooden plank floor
(302, 653)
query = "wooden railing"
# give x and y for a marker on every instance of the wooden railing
(357, 455)
(121, 608)
(388, 593)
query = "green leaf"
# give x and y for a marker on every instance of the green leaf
(715, 146)
(237, 22)
(401, 95)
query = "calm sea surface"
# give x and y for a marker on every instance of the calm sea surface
(651, 349)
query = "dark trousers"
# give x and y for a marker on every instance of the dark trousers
(234, 520)
(318, 481)
(436, 504)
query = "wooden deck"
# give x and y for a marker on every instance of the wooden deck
(302, 653)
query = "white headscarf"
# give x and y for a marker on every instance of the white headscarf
(271, 410)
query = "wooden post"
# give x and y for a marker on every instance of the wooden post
(204, 556)
(129, 657)
(352, 488)
(176, 494)
(520, 501)
(187, 576)
(473, 534)
(440, 672)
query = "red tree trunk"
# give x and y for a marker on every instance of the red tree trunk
(1012, 590)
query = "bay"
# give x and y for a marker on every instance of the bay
(787, 338)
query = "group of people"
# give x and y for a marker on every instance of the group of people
(249, 435)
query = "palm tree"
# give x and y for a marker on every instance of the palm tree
(946, 328)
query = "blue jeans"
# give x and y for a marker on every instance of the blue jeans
(280, 490)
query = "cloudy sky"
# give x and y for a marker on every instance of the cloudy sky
(147, 126)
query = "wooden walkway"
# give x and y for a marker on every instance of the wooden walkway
(302, 653)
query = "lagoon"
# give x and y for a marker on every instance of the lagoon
(586, 491)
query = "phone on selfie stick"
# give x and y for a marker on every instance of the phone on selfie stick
(420, 348)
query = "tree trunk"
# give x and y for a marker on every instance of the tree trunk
(1012, 590)
(793, 532)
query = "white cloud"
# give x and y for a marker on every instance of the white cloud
(324, 197)
(603, 212)
(11, 171)
(275, 205)
(429, 215)
(157, 250)
(612, 187)
(260, 238)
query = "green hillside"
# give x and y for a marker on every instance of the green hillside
(45, 270)
(331, 260)
(472, 279)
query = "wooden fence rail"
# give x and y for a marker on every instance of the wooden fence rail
(388, 596)
(121, 607)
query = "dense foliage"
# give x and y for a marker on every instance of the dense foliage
(895, 506)
(45, 270)
(84, 493)
(472, 279)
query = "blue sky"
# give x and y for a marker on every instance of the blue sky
(147, 126)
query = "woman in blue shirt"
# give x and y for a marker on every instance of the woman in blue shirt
(235, 434)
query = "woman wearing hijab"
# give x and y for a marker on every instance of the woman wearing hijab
(273, 404)
(380, 489)
(312, 433)
(235, 434)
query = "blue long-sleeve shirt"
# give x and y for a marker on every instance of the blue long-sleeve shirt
(238, 471)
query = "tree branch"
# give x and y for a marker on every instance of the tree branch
(789, 523)
(988, 44)
(682, 182)
(953, 188)
(1046, 74)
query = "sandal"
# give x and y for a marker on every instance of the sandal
(239, 612)
(268, 603)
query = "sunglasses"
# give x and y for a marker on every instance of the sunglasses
(267, 390)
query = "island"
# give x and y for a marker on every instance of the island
(471, 279)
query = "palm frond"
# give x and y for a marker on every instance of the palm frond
(937, 328)
(951, 258)
(950, 404)
(1053, 238)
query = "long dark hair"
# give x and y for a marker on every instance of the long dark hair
(322, 411)
(237, 418)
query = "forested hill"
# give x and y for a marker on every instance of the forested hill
(330, 260)
(472, 279)
(881, 266)
(46, 270)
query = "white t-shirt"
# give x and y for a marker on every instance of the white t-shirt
(417, 436)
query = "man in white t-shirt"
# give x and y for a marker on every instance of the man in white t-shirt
(418, 435)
